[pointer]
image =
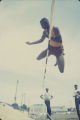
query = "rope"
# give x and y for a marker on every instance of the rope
(51, 17)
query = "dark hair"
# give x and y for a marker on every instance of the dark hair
(44, 22)
(47, 88)
(76, 87)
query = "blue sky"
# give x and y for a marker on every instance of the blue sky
(19, 22)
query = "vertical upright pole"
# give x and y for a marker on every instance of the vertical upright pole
(15, 98)
(22, 99)
(51, 18)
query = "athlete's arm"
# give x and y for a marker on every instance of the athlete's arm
(39, 41)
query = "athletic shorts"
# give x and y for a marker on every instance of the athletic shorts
(57, 51)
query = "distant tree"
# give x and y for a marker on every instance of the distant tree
(15, 106)
(24, 107)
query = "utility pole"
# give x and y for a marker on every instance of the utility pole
(23, 99)
(15, 98)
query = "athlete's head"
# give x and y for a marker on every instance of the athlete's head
(44, 23)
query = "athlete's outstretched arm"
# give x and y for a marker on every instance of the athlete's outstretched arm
(38, 41)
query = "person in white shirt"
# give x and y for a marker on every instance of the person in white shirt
(77, 100)
(47, 97)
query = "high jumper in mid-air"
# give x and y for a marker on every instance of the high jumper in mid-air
(55, 46)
